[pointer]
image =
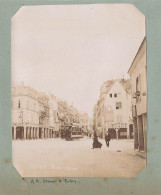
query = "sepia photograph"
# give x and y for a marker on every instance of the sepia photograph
(79, 90)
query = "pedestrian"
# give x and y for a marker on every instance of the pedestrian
(107, 138)
(96, 143)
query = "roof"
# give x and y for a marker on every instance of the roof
(125, 83)
(108, 84)
(141, 45)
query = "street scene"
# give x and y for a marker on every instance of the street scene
(79, 94)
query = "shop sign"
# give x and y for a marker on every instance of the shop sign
(116, 125)
(123, 133)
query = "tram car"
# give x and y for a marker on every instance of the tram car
(73, 131)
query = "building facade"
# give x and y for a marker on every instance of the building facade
(137, 74)
(53, 114)
(90, 127)
(69, 115)
(37, 115)
(32, 116)
(112, 111)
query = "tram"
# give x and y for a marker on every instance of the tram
(73, 131)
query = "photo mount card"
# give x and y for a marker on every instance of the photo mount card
(151, 173)
(86, 104)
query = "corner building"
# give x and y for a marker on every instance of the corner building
(137, 74)
(30, 114)
(112, 111)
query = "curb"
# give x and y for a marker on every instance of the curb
(141, 154)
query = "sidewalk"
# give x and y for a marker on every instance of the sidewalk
(124, 145)
(140, 153)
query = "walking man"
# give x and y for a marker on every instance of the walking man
(107, 138)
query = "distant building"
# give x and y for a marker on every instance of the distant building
(112, 111)
(37, 115)
(69, 115)
(90, 127)
(65, 115)
(95, 117)
(137, 74)
(84, 122)
(53, 114)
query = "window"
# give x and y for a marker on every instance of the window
(115, 95)
(111, 95)
(118, 105)
(27, 104)
(19, 104)
(138, 88)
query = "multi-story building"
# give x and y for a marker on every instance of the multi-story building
(64, 115)
(31, 114)
(84, 121)
(112, 110)
(90, 127)
(37, 115)
(44, 117)
(53, 113)
(69, 115)
(137, 74)
(95, 117)
(75, 114)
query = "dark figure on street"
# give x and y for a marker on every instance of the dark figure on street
(107, 138)
(96, 143)
(68, 134)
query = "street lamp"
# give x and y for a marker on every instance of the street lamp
(21, 115)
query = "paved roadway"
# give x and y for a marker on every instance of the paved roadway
(60, 158)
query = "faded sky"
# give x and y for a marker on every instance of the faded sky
(71, 50)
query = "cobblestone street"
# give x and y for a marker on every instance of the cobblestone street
(60, 158)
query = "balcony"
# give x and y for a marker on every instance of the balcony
(134, 111)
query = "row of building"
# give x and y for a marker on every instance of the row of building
(37, 115)
(122, 105)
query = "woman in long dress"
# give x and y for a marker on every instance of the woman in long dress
(96, 143)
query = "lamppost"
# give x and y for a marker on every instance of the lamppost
(21, 116)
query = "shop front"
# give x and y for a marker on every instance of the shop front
(117, 130)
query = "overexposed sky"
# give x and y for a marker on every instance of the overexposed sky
(70, 50)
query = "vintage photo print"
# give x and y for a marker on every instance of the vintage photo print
(79, 91)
